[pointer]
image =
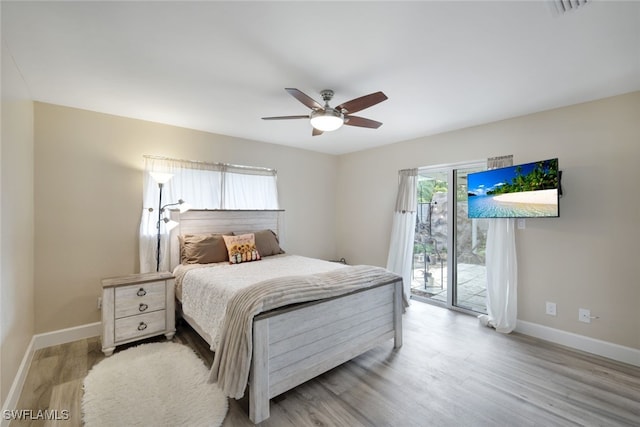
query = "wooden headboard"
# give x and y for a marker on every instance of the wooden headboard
(222, 221)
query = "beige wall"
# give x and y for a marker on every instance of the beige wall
(88, 195)
(16, 224)
(586, 258)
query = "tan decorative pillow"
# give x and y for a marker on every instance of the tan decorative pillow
(241, 248)
(267, 242)
(203, 248)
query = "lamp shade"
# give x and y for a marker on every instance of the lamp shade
(327, 120)
(169, 224)
(161, 177)
(184, 206)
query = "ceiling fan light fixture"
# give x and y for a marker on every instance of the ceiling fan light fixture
(327, 120)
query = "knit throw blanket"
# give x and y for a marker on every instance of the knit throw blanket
(232, 360)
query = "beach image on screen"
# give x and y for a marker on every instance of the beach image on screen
(527, 190)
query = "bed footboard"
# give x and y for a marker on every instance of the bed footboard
(294, 345)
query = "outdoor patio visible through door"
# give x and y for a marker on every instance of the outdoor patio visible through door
(449, 248)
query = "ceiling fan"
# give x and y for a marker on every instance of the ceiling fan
(325, 118)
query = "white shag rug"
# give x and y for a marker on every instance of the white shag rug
(158, 384)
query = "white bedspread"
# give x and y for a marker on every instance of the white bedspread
(207, 290)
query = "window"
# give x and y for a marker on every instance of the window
(203, 186)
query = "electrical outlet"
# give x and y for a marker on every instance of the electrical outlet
(584, 315)
(551, 308)
(99, 303)
(522, 224)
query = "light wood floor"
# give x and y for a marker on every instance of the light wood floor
(449, 372)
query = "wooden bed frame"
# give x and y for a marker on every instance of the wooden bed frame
(295, 344)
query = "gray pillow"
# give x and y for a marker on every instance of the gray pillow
(203, 249)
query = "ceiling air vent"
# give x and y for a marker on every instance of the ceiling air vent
(563, 6)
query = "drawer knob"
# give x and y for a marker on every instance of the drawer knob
(142, 326)
(141, 292)
(142, 306)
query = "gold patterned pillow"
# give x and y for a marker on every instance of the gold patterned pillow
(266, 241)
(241, 248)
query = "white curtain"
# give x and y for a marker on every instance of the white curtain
(403, 229)
(203, 186)
(502, 268)
(246, 188)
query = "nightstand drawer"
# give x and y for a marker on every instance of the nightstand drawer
(141, 325)
(141, 298)
(135, 307)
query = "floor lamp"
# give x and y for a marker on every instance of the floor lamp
(162, 178)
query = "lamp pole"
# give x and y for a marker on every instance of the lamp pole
(158, 226)
(161, 178)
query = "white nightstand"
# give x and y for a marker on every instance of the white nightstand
(135, 307)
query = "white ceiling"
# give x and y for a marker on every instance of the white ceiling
(221, 66)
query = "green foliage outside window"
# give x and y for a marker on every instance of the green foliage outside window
(544, 176)
(428, 187)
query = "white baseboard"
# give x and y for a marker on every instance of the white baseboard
(37, 342)
(11, 401)
(606, 349)
(64, 336)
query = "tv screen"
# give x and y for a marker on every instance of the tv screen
(530, 190)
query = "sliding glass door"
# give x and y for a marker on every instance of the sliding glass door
(448, 259)
(430, 249)
(470, 238)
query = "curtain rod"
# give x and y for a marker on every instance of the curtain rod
(508, 156)
(407, 170)
(147, 156)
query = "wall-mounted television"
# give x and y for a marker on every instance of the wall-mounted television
(529, 190)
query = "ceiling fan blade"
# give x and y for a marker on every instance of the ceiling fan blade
(363, 102)
(361, 122)
(316, 132)
(305, 99)
(285, 117)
